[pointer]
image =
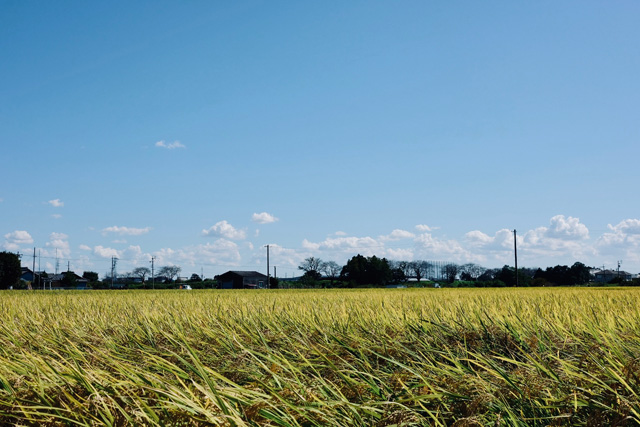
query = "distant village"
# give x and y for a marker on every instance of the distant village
(360, 271)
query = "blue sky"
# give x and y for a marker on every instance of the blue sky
(198, 132)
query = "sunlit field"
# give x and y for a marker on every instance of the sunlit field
(441, 357)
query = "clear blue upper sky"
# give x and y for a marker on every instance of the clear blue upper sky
(198, 132)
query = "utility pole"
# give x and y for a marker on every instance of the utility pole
(153, 277)
(267, 266)
(40, 273)
(114, 260)
(515, 253)
(34, 267)
(619, 262)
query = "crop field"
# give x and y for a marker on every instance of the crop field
(374, 357)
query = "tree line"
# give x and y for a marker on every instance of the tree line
(374, 271)
(358, 271)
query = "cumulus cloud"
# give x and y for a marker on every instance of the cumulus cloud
(225, 230)
(628, 226)
(59, 242)
(502, 240)
(263, 218)
(398, 234)
(56, 203)
(218, 252)
(170, 146)
(344, 247)
(103, 252)
(425, 228)
(20, 237)
(17, 238)
(567, 228)
(126, 231)
(430, 247)
(85, 247)
(621, 242)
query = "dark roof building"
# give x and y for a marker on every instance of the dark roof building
(242, 280)
(605, 276)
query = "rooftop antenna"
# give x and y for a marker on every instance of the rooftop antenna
(515, 253)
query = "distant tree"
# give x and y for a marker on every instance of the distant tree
(273, 282)
(91, 276)
(311, 264)
(470, 271)
(397, 275)
(69, 280)
(580, 274)
(331, 269)
(450, 272)
(195, 278)
(367, 271)
(310, 278)
(419, 269)
(562, 275)
(169, 271)
(489, 274)
(10, 270)
(141, 273)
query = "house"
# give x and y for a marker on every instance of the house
(57, 281)
(605, 276)
(242, 280)
(27, 275)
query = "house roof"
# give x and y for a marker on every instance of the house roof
(247, 273)
(612, 272)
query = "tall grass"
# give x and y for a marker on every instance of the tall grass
(325, 357)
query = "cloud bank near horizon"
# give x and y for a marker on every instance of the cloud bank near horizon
(563, 240)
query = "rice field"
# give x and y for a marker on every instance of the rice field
(375, 357)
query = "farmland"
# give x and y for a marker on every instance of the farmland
(442, 357)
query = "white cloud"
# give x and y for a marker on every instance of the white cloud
(628, 226)
(226, 230)
(60, 242)
(170, 146)
(430, 247)
(16, 239)
(220, 252)
(126, 231)
(103, 252)
(263, 218)
(56, 216)
(339, 233)
(85, 247)
(398, 234)
(567, 228)
(621, 243)
(56, 203)
(339, 248)
(20, 237)
(425, 228)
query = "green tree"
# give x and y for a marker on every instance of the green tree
(91, 276)
(141, 273)
(9, 270)
(362, 271)
(69, 280)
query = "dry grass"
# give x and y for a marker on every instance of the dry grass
(472, 357)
